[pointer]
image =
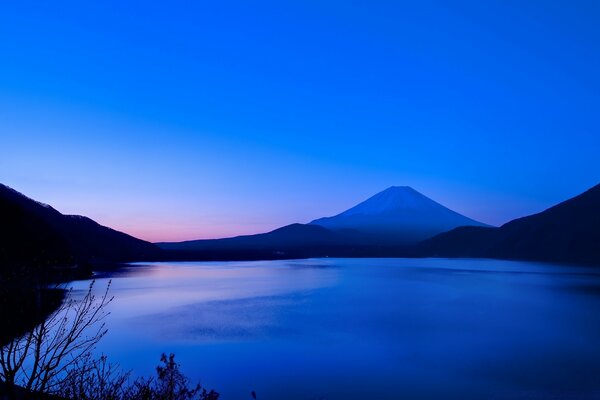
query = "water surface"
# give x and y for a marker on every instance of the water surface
(363, 328)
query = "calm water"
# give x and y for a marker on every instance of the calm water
(363, 328)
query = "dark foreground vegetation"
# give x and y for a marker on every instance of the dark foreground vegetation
(97, 379)
(53, 359)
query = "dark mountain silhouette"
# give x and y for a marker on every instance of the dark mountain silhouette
(294, 235)
(291, 241)
(28, 244)
(34, 233)
(398, 215)
(567, 232)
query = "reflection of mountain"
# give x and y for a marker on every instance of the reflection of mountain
(398, 215)
(35, 233)
(569, 232)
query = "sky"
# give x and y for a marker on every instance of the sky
(183, 120)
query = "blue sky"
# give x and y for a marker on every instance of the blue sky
(179, 120)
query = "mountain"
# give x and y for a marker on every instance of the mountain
(387, 224)
(290, 241)
(34, 233)
(26, 238)
(398, 215)
(567, 232)
(294, 235)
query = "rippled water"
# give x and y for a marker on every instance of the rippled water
(363, 328)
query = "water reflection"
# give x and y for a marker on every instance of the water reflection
(364, 328)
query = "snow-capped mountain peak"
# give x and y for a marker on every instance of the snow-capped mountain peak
(399, 213)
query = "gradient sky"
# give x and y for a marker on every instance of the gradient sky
(179, 120)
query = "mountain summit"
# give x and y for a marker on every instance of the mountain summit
(399, 215)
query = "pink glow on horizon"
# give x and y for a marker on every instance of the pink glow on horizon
(159, 215)
(172, 232)
(495, 210)
(156, 234)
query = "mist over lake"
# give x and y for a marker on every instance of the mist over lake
(362, 328)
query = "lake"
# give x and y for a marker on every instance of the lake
(362, 328)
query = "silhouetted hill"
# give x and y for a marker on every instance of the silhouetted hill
(26, 237)
(398, 215)
(90, 240)
(35, 234)
(567, 232)
(291, 241)
(294, 235)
